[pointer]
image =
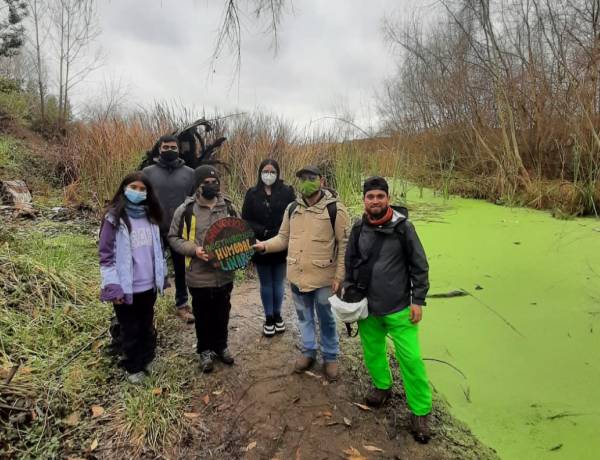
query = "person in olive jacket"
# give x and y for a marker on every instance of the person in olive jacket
(263, 209)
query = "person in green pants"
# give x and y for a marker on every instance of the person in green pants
(395, 286)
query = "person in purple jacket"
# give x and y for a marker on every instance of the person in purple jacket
(133, 269)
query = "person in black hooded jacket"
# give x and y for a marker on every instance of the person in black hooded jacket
(263, 209)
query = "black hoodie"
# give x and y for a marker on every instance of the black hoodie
(172, 183)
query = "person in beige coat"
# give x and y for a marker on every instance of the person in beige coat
(315, 231)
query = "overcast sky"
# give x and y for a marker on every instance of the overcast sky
(331, 56)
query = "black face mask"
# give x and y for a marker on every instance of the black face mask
(209, 191)
(169, 155)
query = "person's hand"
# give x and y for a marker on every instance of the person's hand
(335, 286)
(260, 246)
(119, 301)
(201, 253)
(416, 313)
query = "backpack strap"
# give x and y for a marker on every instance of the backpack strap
(230, 209)
(188, 231)
(331, 210)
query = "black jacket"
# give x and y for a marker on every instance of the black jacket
(264, 214)
(400, 274)
(172, 184)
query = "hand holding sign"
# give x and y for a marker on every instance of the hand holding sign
(201, 254)
(228, 244)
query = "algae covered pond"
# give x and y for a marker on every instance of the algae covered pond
(528, 338)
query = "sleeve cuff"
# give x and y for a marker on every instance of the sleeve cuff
(111, 292)
(419, 302)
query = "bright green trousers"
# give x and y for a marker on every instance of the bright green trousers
(405, 335)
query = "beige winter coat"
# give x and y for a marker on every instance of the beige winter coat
(199, 274)
(315, 251)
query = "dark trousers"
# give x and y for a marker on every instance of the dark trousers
(181, 293)
(211, 309)
(136, 331)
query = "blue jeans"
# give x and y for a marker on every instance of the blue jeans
(306, 303)
(271, 278)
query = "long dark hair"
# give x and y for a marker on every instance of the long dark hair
(116, 206)
(269, 161)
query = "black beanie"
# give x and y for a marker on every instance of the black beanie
(206, 171)
(375, 183)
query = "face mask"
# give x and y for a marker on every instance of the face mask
(309, 187)
(169, 155)
(209, 191)
(268, 178)
(134, 196)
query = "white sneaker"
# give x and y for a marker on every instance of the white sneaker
(136, 378)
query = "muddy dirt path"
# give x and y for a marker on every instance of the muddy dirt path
(260, 409)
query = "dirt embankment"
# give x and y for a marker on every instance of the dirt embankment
(259, 409)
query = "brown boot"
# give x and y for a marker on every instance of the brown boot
(185, 314)
(331, 370)
(377, 397)
(420, 428)
(303, 363)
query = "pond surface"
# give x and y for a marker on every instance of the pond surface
(528, 338)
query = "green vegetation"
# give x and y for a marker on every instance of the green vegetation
(54, 328)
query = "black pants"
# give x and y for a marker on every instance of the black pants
(211, 309)
(136, 331)
(181, 294)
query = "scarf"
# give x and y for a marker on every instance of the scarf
(382, 220)
(135, 211)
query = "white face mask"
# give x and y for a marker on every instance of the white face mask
(268, 178)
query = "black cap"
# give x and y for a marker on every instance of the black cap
(206, 171)
(310, 169)
(375, 183)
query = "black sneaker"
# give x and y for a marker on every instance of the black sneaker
(225, 357)
(206, 361)
(279, 324)
(269, 327)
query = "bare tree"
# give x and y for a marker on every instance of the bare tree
(38, 9)
(75, 29)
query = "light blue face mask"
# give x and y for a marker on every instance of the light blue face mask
(134, 196)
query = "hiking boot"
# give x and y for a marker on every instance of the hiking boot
(279, 324)
(331, 369)
(206, 361)
(377, 397)
(303, 363)
(269, 327)
(225, 356)
(185, 314)
(136, 378)
(420, 428)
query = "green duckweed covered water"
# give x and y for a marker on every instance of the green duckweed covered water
(528, 341)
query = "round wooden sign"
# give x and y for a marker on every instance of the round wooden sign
(228, 243)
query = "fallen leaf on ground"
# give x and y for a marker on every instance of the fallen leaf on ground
(157, 391)
(298, 453)
(326, 414)
(312, 374)
(362, 406)
(347, 421)
(250, 446)
(331, 423)
(73, 419)
(217, 392)
(94, 445)
(191, 414)
(205, 399)
(97, 411)
(353, 454)
(372, 449)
